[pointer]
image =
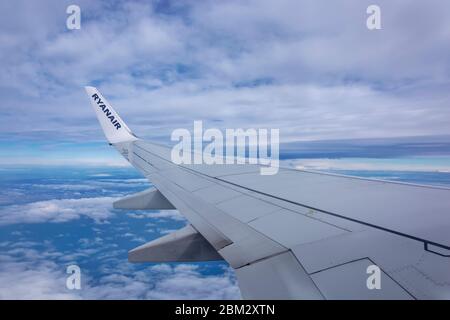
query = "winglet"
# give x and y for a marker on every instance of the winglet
(113, 126)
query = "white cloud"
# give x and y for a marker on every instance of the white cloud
(399, 164)
(79, 160)
(32, 274)
(327, 75)
(41, 280)
(62, 210)
(161, 214)
(137, 181)
(185, 282)
(28, 273)
(59, 186)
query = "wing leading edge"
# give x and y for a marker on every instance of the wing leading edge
(297, 234)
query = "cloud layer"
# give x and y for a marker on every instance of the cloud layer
(27, 273)
(311, 68)
(58, 210)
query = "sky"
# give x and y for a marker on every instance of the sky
(310, 68)
(371, 103)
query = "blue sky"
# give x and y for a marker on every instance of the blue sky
(310, 68)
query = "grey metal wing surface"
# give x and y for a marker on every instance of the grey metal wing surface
(296, 234)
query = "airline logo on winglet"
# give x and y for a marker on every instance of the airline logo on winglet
(106, 111)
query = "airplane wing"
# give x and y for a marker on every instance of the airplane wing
(296, 234)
